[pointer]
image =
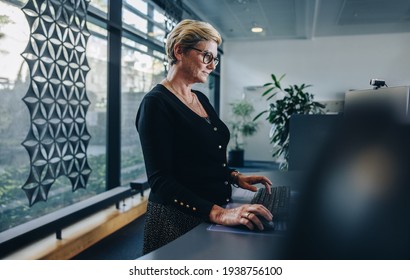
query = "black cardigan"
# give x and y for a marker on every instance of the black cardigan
(185, 156)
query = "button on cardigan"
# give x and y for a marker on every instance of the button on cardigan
(185, 156)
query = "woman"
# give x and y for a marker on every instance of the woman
(184, 145)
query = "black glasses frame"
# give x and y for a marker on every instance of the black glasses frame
(208, 57)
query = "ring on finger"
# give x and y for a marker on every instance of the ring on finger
(247, 215)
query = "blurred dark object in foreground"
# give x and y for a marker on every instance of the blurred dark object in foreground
(356, 200)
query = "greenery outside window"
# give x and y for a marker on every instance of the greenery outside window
(14, 124)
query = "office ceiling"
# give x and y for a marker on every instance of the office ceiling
(302, 19)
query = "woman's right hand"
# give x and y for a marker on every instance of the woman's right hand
(246, 215)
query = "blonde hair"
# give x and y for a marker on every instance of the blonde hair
(187, 34)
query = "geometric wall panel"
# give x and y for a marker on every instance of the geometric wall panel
(58, 138)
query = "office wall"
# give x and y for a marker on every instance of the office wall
(332, 65)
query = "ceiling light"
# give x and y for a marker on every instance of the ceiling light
(256, 29)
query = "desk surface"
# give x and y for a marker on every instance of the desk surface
(201, 243)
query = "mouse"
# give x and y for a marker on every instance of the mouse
(267, 225)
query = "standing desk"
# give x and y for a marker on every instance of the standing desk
(203, 244)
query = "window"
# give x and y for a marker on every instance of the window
(140, 72)
(141, 68)
(15, 124)
(100, 6)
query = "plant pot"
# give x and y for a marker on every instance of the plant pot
(236, 158)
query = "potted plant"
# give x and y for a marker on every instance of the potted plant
(242, 125)
(295, 100)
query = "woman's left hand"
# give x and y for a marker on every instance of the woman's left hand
(248, 182)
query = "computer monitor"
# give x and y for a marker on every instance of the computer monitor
(392, 100)
(307, 134)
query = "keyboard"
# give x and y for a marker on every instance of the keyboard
(277, 202)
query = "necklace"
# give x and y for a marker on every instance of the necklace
(180, 95)
(193, 104)
(200, 109)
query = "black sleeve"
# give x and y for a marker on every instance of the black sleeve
(155, 126)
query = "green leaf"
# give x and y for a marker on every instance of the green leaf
(277, 82)
(271, 96)
(273, 77)
(268, 91)
(318, 104)
(260, 114)
(281, 77)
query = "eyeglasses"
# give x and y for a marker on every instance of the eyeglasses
(208, 57)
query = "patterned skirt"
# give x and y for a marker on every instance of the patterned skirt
(163, 224)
